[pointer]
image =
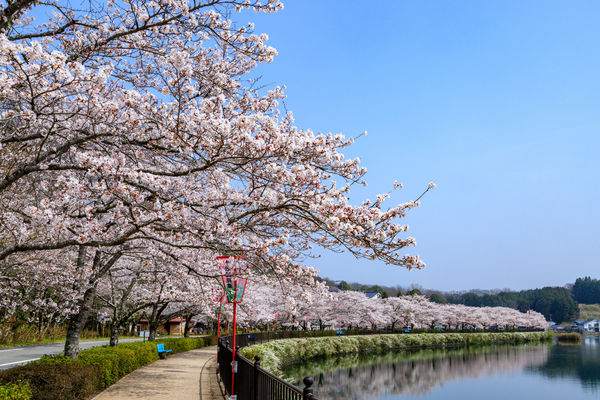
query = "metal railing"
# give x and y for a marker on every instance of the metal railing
(252, 382)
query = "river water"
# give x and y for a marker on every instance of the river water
(496, 372)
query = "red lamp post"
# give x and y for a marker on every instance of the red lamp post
(234, 283)
(219, 312)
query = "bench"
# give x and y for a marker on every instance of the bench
(162, 353)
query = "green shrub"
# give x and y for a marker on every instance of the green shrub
(179, 345)
(56, 380)
(15, 391)
(58, 377)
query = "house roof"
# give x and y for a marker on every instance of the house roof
(371, 295)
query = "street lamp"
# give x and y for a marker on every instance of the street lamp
(234, 283)
(220, 309)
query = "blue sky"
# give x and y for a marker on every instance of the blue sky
(496, 101)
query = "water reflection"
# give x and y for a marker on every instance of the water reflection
(574, 362)
(366, 377)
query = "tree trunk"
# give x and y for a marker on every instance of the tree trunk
(152, 326)
(76, 323)
(153, 320)
(114, 335)
(188, 325)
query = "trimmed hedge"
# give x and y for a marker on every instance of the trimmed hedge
(279, 353)
(15, 391)
(59, 377)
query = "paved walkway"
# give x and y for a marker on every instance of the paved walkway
(185, 376)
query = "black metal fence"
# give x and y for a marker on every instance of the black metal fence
(253, 382)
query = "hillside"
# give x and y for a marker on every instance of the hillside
(587, 311)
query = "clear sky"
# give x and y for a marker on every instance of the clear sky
(497, 102)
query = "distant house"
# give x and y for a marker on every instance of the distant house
(591, 325)
(373, 295)
(334, 289)
(175, 326)
(587, 326)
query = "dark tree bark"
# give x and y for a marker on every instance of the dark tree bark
(76, 323)
(188, 325)
(153, 321)
(114, 335)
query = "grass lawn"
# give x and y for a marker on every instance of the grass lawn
(58, 340)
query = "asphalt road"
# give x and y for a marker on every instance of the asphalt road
(13, 356)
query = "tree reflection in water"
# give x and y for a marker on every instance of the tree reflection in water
(363, 376)
(575, 362)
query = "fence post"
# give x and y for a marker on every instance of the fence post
(307, 393)
(255, 386)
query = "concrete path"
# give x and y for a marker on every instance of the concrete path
(185, 376)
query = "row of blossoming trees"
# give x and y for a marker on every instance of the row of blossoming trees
(265, 306)
(135, 146)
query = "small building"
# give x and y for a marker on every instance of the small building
(373, 295)
(175, 326)
(588, 326)
(591, 325)
(143, 325)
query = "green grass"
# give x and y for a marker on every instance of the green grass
(587, 311)
(278, 354)
(58, 340)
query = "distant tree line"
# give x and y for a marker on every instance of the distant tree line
(586, 290)
(555, 303)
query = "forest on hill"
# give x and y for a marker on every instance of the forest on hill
(558, 304)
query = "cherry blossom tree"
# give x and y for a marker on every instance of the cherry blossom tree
(123, 123)
(355, 309)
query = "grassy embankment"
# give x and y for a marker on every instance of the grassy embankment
(587, 311)
(25, 334)
(280, 353)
